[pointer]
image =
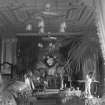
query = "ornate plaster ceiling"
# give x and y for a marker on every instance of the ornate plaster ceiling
(16, 14)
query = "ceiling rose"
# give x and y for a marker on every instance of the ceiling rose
(48, 10)
(48, 6)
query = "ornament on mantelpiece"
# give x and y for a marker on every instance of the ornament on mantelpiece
(29, 27)
(41, 26)
(50, 44)
(51, 47)
(63, 27)
(40, 45)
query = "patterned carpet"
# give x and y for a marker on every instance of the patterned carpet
(57, 101)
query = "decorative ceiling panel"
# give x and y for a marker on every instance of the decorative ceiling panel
(85, 14)
(90, 3)
(21, 15)
(22, 12)
(9, 16)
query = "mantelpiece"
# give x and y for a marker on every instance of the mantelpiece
(49, 34)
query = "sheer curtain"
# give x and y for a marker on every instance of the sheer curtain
(100, 22)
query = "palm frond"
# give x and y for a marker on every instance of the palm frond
(80, 48)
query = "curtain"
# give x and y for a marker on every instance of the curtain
(100, 22)
(89, 65)
(8, 54)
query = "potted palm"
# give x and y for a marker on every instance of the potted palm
(83, 54)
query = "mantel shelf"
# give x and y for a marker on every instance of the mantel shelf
(49, 34)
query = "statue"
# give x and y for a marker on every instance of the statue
(89, 79)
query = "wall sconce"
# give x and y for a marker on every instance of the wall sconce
(63, 27)
(40, 45)
(29, 27)
(41, 26)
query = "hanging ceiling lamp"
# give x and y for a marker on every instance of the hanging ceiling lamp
(47, 7)
(48, 11)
